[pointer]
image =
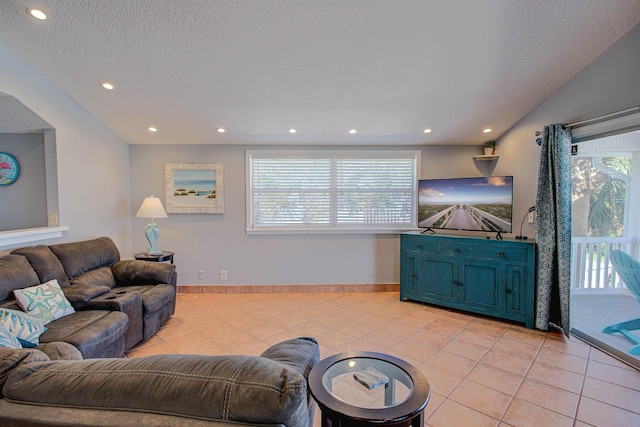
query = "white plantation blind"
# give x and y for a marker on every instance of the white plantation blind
(331, 190)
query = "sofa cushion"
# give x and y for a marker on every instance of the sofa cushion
(46, 302)
(79, 257)
(44, 262)
(7, 339)
(89, 331)
(15, 273)
(233, 388)
(101, 276)
(154, 297)
(27, 329)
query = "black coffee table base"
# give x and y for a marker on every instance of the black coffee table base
(339, 420)
(343, 409)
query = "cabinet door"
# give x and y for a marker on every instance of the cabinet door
(480, 284)
(516, 292)
(412, 267)
(440, 279)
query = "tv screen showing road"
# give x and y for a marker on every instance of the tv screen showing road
(477, 204)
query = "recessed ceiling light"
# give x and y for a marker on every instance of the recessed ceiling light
(428, 130)
(153, 129)
(487, 130)
(352, 131)
(37, 13)
(107, 85)
(292, 130)
(221, 130)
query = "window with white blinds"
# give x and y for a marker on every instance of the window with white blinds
(323, 191)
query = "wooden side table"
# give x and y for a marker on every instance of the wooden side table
(166, 256)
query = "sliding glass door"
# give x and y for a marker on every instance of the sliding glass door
(605, 217)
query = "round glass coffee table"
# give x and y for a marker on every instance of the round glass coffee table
(366, 388)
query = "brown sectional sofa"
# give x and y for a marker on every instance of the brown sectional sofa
(37, 388)
(118, 303)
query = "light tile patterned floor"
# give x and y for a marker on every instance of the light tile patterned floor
(482, 372)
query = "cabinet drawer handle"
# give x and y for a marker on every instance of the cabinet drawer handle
(420, 247)
(457, 282)
(508, 291)
(502, 255)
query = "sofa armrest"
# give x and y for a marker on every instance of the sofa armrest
(11, 359)
(243, 389)
(82, 293)
(134, 272)
(301, 354)
(58, 350)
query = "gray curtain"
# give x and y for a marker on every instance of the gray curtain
(553, 229)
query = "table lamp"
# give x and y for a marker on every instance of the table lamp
(152, 208)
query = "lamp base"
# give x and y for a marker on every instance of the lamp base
(152, 232)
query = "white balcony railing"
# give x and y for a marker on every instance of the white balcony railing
(591, 266)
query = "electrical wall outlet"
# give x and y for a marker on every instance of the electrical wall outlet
(53, 219)
(223, 275)
(200, 275)
(530, 218)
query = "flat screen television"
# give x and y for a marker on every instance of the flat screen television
(476, 204)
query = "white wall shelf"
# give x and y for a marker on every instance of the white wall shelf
(485, 157)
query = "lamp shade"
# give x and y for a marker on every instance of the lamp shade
(151, 208)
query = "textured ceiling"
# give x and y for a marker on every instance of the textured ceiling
(15, 117)
(257, 68)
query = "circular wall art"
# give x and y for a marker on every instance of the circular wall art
(9, 169)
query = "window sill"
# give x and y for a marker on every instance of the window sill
(285, 230)
(27, 235)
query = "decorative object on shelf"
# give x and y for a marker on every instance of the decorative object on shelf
(9, 169)
(521, 237)
(152, 208)
(194, 187)
(489, 148)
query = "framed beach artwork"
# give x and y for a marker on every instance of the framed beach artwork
(194, 187)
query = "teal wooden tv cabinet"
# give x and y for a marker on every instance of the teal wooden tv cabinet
(486, 276)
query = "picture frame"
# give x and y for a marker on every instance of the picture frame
(194, 188)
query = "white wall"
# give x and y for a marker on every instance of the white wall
(23, 204)
(93, 163)
(214, 242)
(609, 84)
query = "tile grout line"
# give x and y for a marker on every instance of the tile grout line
(584, 379)
(524, 377)
(593, 349)
(477, 362)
